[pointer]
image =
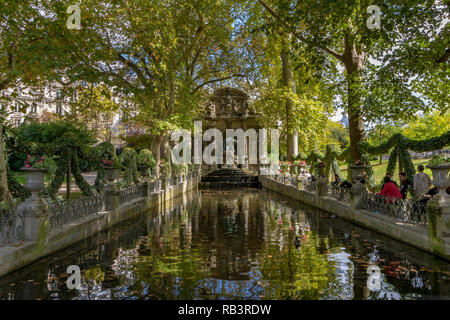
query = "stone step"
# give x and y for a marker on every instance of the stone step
(227, 178)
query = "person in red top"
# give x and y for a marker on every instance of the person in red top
(390, 190)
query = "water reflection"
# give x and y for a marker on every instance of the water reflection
(232, 245)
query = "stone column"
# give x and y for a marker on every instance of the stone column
(322, 187)
(34, 210)
(356, 195)
(111, 193)
(36, 218)
(439, 223)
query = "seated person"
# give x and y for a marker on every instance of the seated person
(404, 184)
(391, 180)
(336, 181)
(390, 190)
(431, 193)
(346, 184)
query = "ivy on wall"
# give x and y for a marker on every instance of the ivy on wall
(399, 147)
(128, 159)
(67, 152)
(104, 151)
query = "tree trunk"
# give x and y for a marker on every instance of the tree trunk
(354, 60)
(156, 149)
(4, 191)
(289, 83)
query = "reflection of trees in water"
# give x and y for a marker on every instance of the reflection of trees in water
(239, 244)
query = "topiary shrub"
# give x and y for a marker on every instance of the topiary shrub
(128, 159)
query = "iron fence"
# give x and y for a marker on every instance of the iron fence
(310, 184)
(339, 193)
(66, 211)
(128, 194)
(404, 210)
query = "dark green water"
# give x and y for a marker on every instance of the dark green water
(234, 245)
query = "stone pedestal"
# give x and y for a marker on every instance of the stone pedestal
(356, 195)
(35, 218)
(111, 193)
(322, 187)
(439, 222)
(34, 210)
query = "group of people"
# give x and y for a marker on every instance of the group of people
(422, 186)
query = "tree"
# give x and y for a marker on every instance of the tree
(291, 91)
(339, 29)
(427, 126)
(160, 56)
(27, 52)
(96, 108)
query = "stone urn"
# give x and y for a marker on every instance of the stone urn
(35, 180)
(111, 174)
(357, 171)
(441, 176)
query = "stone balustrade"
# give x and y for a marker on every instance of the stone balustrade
(426, 227)
(41, 226)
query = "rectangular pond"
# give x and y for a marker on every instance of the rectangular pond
(237, 244)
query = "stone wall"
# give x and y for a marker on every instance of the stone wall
(49, 240)
(423, 237)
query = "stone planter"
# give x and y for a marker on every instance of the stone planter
(441, 176)
(111, 174)
(35, 180)
(357, 171)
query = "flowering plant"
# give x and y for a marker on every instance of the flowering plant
(110, 164)
(39, 162)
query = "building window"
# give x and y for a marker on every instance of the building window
(17, 122)
(34, 108)
(17, 107)
(58, 94)
(58, 109)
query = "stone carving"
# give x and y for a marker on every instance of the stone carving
(229, 102)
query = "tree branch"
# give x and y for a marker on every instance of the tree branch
(217, 80)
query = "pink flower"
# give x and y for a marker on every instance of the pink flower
(28, 166)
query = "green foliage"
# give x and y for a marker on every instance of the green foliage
(138, 141)
(438, 159)
(104, 151)
(165, 168)
(435, 143)
(146, 158)
(68, 150)
(428, 126)
(128, 159)
(180, 169)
